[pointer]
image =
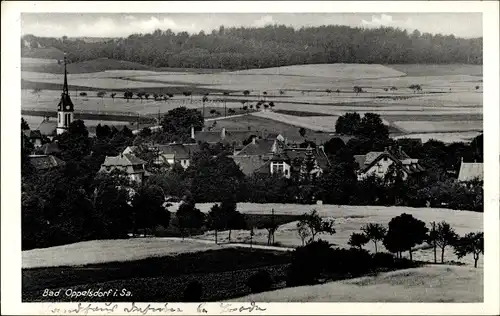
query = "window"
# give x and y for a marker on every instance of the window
(277, 167)
(59, 117)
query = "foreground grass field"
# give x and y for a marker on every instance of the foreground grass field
(222, 274)
(432, 283)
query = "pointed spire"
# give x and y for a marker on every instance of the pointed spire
(65, 87)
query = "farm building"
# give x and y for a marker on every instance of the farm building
(378, 163)
(133, 166)
(470, 171)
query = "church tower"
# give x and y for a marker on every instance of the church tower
(65, 108)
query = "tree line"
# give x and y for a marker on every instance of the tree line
(271, 46)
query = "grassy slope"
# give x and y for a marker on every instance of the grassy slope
(99, 251)
(95, 65)
(431, 283)
(439, 70)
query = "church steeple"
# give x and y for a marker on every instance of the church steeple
(65, 108)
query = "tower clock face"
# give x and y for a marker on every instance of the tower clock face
(67, 107)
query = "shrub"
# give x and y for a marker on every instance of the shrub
(352, 261)
(193, 292)
(260, 281)
(383, 260)
(308, 263)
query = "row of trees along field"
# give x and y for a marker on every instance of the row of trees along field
(271, 46)
(73, 202)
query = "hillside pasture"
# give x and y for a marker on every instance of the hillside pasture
(416, 70)
(428, 284)
(439, 126)
(316, 123)
(452, 137)
(331, 71)
(350, 219)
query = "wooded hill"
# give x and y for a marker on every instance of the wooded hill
(270, 46)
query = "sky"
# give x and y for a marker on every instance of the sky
(124, 24)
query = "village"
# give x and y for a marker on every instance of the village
(199, 167)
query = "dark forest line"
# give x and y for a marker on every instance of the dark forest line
(270, 46)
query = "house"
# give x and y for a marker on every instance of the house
(176, 153)
(133, 166)
(273, 156)
(35, 137)
(50, 148)
(378, 163)
(45, 162)
(47, 127)
(470, 171)
(224, 136)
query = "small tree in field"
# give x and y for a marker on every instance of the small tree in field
(317, 225)
(113, 95)
(246, 93)
(358, 240)
(471, 243)
(375, 233)
(303, 232)
(216, 219)
(83, 94)
(405, 232)
(445, 236)
(357, 90)
(302, 132)
(101, 94)
(432, 239)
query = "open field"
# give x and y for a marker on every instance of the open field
(439, 70)
(439, 126)
(99, 251)
(331, 71)
(449, 92)
(349, 219)
(431, 283)
(452, 137)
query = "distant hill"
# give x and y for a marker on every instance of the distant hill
(96, 65)
(273, 46)
(42, 52)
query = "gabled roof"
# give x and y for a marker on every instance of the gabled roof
(360, 160)
(45, 162)
(50, 148)
(408, 165)
(179, 151)
(35, 134)
(470, 171)
(249, 164)
(258, 148)
(291, 154)
(123, 160)
(130, 150)
(47, 127)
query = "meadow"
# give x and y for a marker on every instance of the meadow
(450, 93)
(350, 219)
(431, 283)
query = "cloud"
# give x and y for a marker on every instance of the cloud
(106, 27)
(263, 21)
(385, 20)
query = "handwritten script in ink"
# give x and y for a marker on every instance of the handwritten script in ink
(144, 309)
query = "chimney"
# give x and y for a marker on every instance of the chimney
(385, 148)
(223, 133)
(253, 140)
(192, 131)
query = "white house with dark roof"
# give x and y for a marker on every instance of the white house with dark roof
(470, 171)
(378, 162)
(133, 166)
